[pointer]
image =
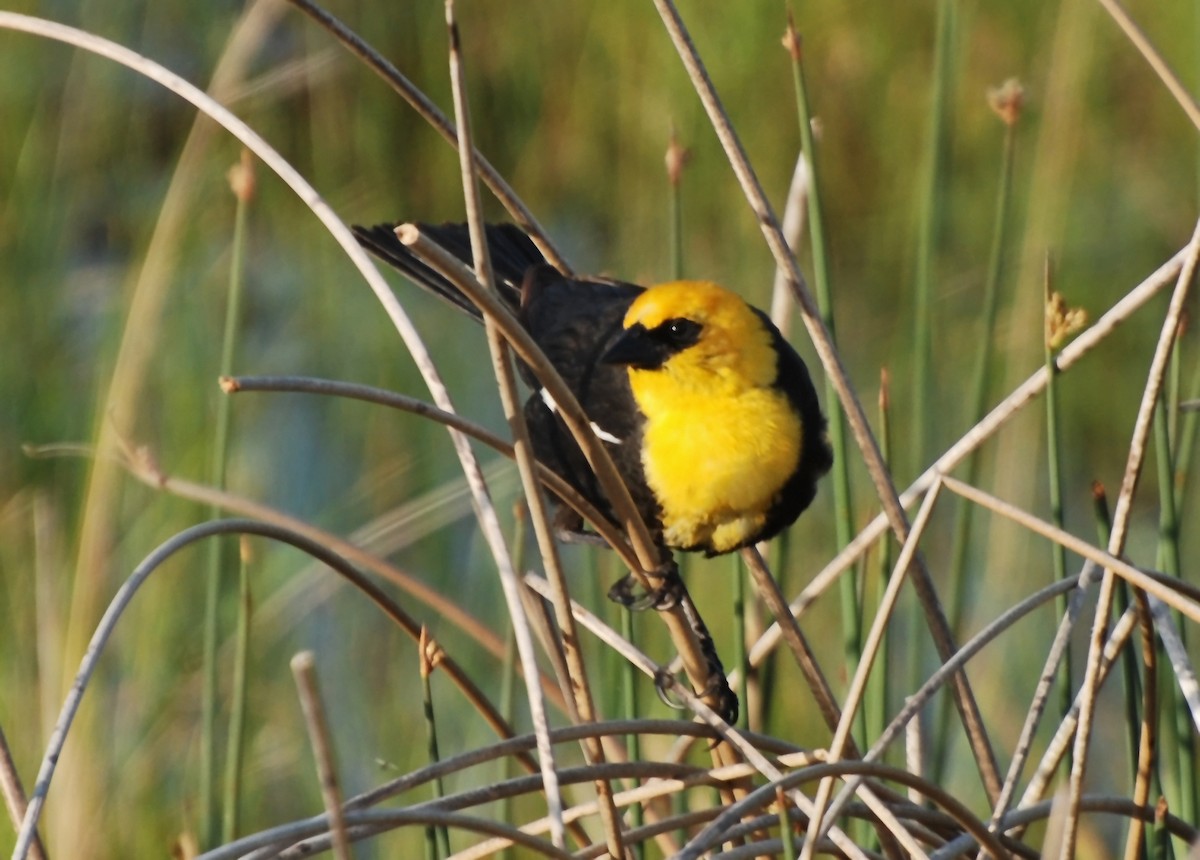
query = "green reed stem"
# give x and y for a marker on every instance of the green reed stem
(1185, 803)
(984, 366)
(437, 837)
(929, 226)
(236, 746)
(209, 815)
(851, 612)
(1058, 554)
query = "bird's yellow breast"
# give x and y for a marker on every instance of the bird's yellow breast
(716, 452)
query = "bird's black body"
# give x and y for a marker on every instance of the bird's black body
(576, 322)
(573, 321)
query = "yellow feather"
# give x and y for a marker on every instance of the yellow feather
(720, 440)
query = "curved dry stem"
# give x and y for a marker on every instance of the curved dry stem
(366, 823)
(1027, 815)
(1063, 735)
(141, 467)
(484, 512)
(666, 778)
(661, 775)
(716, 831)
(121, 601)
(917, 700)
(368, 394)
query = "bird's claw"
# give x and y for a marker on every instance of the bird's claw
(663, 681)
(665, 594)
(724, 700)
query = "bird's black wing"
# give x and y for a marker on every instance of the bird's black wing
(816, 457)
(512, 252)
(574, 322)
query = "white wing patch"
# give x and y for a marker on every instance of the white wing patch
(600, 432)
(603, 434)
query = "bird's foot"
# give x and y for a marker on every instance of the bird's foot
(665, 592)
(717, 694)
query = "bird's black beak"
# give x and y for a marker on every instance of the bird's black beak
(635, 347)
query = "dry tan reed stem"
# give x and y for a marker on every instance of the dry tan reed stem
(304, 669)
(939, 627)
(1116, 544)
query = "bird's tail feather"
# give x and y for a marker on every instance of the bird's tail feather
(512, 253)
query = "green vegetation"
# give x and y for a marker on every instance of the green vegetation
(118, 236)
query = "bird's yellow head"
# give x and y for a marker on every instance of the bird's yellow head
(698, 334)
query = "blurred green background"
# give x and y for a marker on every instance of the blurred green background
(574, 103)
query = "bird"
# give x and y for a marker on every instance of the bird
(710, 415)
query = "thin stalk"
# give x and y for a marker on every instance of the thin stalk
(676, 160)
(508, 668)
(1185, 443)
(632, 709)
(1185, 801)
(502, 365)
(851, 611)
(1006, 102)
(1058, 555)
(1121, 522)
(429, 654)
(235, 747)
(893, 513)
(1132, 684)
(785, 826)
(876, 705)
(737, 573)
(929, 227)
(241, 179)
(763, 674)
(320, 739)
(1132, 681)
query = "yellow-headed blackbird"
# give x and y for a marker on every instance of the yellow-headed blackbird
(708, 412)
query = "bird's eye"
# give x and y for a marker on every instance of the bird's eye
(679, 332)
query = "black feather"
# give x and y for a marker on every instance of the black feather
(576, 321)
(512, 252)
